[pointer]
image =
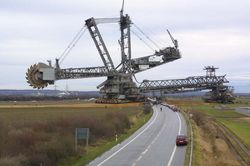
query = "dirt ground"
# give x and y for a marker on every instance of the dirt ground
(64, 104)
(215, 151)
(247, 119)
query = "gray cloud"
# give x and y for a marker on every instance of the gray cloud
(209, 33)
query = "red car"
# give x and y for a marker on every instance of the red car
(181, 140)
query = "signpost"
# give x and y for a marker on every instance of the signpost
(80, 134)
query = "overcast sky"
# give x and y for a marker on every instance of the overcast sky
(209, 33)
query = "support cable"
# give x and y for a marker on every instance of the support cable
(159, 41)
(72, 44)
(142, 40)
(154, 43)
(136, 79)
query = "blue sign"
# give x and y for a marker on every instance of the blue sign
(82, 133)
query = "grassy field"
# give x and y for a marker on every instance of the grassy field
(240, 127)
(204, 115)
(43, 132)
(238, 123)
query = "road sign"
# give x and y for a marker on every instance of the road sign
(81, 133)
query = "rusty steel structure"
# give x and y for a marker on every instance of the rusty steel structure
(119, 86)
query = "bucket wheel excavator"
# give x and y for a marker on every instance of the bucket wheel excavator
(119, 86)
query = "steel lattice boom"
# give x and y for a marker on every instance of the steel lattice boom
(76, 73)
(219, 91)
(180, 85)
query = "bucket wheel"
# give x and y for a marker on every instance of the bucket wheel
(34, 77)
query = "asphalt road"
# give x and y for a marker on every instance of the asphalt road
(243, 110)
(151, 145)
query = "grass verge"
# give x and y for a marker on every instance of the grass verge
(197, 153)
(188, 151)
(104, 146)
(196, 156)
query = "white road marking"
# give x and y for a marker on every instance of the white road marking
(144, 152)
(129, 141)
(139, 158)
(179, 131)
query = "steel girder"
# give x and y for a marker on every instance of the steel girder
(100, 45)
(194, 83)
(76, 73)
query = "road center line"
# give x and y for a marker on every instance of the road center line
(144, 152)
(129, 141)
(179, 131)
